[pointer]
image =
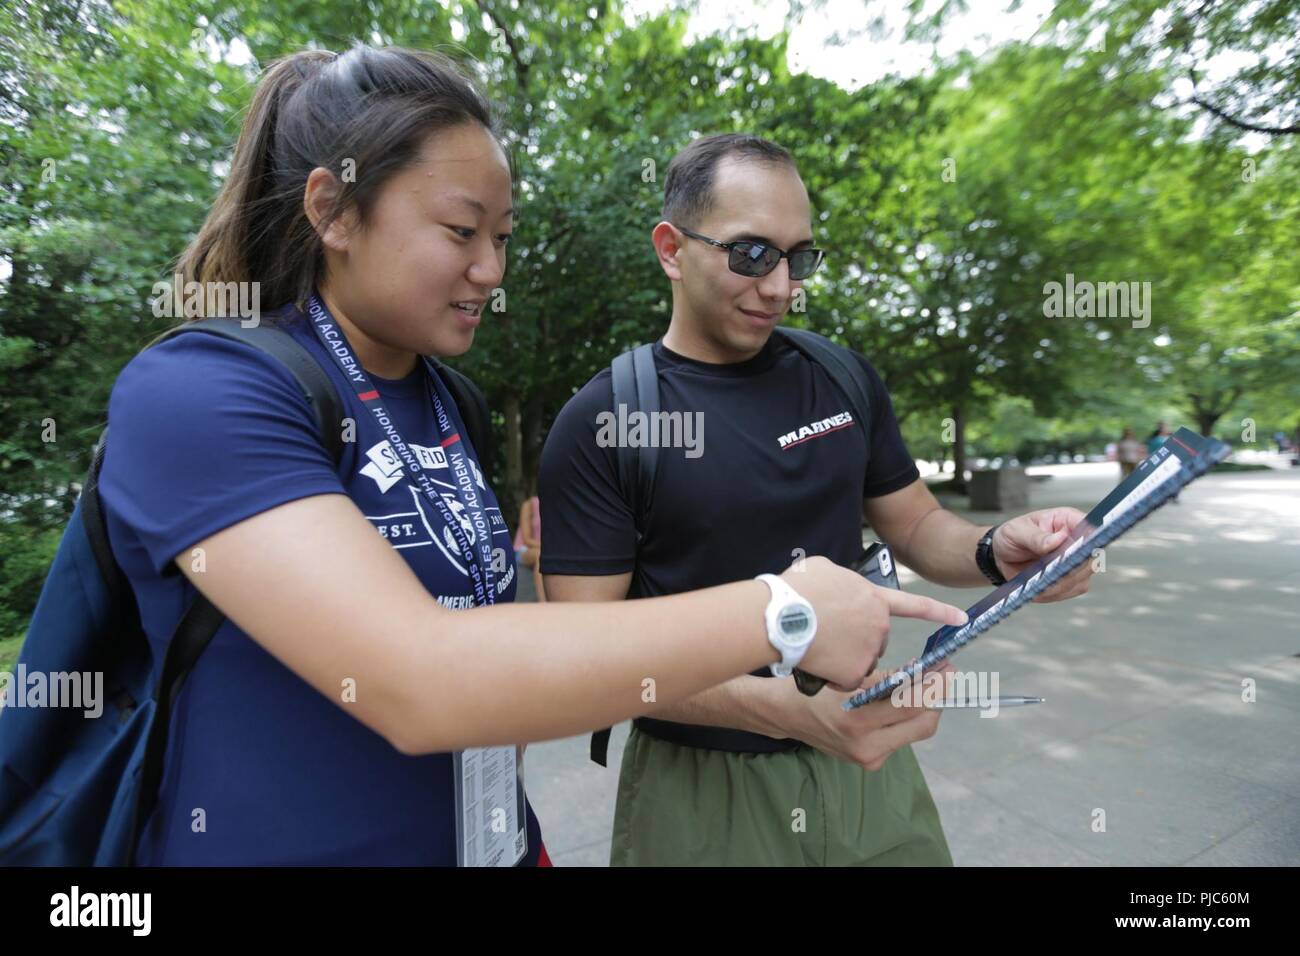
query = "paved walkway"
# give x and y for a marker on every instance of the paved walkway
(1144, 717)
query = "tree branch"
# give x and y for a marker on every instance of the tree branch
(1240, 124)
(521, 68)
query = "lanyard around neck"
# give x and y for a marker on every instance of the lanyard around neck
(477, 560)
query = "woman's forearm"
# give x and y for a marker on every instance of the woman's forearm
(511, 674)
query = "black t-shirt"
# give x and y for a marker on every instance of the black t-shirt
(779, 472)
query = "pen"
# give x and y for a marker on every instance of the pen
(997, 701)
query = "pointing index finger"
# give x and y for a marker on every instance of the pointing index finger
(903, 604)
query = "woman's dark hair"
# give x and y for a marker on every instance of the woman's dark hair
(365, 113)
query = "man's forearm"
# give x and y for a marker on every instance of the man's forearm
(743, 703)
(941, 548)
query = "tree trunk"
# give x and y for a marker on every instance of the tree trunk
(959, 449)
(1205, 421)
(531, 427)
(1208, 409)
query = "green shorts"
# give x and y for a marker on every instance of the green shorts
(683, 806)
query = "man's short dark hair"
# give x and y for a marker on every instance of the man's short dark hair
(688, 187)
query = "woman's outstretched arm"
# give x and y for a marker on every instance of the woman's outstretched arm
(313, 584)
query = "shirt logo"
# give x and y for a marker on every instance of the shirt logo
(815, 430)
(385, 468)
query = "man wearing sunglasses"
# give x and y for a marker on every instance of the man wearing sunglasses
(753, 772)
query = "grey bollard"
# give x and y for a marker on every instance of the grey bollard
(999, 490)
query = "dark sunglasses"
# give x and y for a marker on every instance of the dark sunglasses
(754, 259)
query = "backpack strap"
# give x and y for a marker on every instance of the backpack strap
(847, 374)
(636, 389)
(473, 409)
(316, 386)
(96, 528)
(192, 636)
(202, 620)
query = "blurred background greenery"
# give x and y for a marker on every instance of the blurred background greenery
(1117, 141)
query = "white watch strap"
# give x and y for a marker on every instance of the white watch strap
(782, 596)
(780, 590)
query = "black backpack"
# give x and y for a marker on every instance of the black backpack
(636, 385)
(78, 792)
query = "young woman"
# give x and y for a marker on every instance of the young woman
(370, 198)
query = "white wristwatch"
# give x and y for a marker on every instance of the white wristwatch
(791, 624)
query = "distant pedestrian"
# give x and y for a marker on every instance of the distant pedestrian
(1130, 452)
(1158, 437)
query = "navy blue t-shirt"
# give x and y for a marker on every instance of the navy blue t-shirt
(205, 433)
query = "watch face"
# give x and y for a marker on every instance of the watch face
(795, 622)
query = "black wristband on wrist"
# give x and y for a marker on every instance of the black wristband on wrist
(984, 558)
